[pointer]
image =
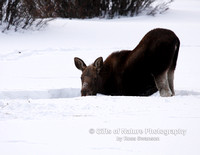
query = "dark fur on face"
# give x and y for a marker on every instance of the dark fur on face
(90, 77)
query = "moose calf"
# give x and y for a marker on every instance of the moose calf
(139, 72)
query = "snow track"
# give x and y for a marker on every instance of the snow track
(67, 93)
(45, 94)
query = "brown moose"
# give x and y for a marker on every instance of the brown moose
(139, 72)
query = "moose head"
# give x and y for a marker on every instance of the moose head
(90, 78)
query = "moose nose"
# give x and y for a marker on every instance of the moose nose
(84, 89)
(83, 93)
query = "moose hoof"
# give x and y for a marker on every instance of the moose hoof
(165, 93)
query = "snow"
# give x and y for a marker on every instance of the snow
(41, 111)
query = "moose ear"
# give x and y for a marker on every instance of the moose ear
(98, 63)
(79, 64)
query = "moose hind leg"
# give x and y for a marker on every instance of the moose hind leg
(171, 81)
(162, 84)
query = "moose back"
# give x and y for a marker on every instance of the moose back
(139, 72)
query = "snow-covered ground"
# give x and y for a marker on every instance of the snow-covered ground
(41, 111)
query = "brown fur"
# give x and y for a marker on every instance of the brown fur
(139, 72)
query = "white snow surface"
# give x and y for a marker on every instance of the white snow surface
(42, 113)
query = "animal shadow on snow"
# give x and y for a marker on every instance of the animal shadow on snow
(187, 93)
